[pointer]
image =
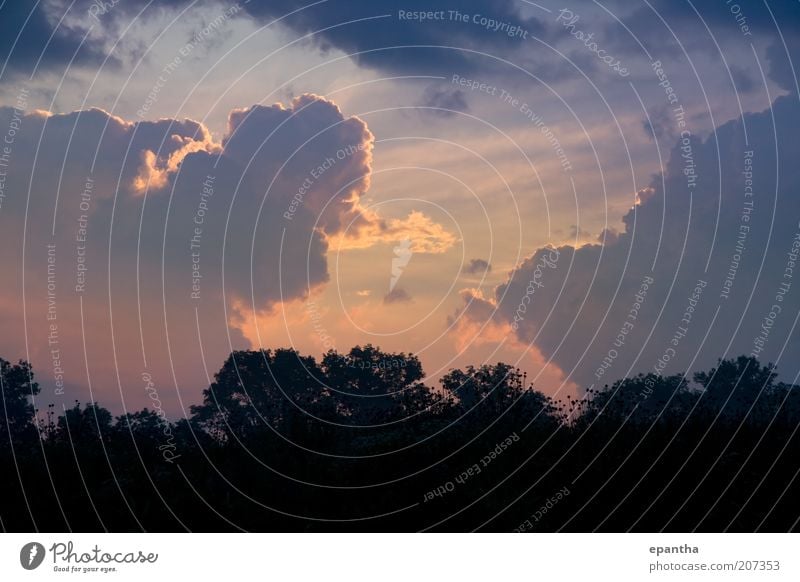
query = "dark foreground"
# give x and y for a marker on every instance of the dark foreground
(358, 442)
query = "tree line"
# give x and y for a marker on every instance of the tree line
(359, 441)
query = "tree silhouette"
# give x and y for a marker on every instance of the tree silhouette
(281, 441)
(18, 390)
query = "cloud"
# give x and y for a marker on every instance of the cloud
(443, 102)
(165, 242)
(608, 236)
(397, 295)
(475, 329)
(369, 229)
(784, 13)
(387, 41)
(742, 79)
(154, 171)
(783, 62)
(667, 29)
(469, 37)
(696, 274)
(476, 308)
(478, 267)
(659, 123)
(576, 232)
(379, 35)
(30, 36)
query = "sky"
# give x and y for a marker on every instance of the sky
(587, 191)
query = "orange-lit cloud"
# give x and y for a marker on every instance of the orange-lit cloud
(477, 333)
(426, 236)
(155, 174)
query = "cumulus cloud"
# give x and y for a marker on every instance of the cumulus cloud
(698, 272)
(162, 242)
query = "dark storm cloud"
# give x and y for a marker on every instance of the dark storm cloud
(26, 29)
(743, 16)
(385, 36)
(763, 24)
(356, 26)
(342, 25)
(51, 35)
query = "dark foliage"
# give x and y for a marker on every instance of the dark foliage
(358, 442)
